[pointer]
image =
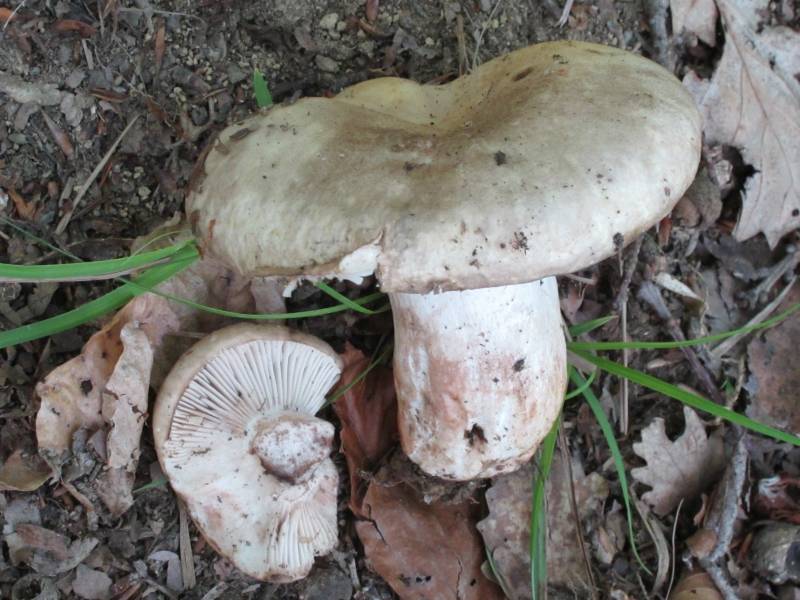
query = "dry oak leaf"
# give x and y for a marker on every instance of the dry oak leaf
(752, 102)
(106, 387)
(680, 469)
(698, 17)
(424, 551)
(506, 531)
(368, 415)
(775, 372)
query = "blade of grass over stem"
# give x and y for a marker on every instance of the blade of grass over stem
(602, 346)
(583, 387)
(105, 304)
(689, 399)
(587, 326)
(538, 541)
(342, 299)
(84, 271)
(608, 432)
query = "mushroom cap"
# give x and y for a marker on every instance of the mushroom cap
(532, 165)
(235, 433)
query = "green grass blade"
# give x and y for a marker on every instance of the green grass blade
(105, 304)
(342, 299)
(538, 540)
(604, 346)
(578, 391)
(260, 90)
(82, 271)
(689, 399)
(619, 463)
(302, 314)
(587, 326)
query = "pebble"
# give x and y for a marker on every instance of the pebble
(326, 64)
(329, 21)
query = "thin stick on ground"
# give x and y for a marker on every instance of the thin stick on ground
(563, 447)
(650, 294)
(621, 304)
(65, 219)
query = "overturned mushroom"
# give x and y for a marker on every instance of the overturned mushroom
(236, 434)
(464, 200)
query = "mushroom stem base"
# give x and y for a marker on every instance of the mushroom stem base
(480, 376)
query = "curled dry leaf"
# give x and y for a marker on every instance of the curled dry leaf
(695, 586)
(506, 531)
(697, 17)
(424, 550)
(752, 102)
(23, 472)
(774, 552)
(680, 469)
(368, 416)
(775, 367)
(105, 387)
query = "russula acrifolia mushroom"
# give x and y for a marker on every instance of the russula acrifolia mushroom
(236, 435)
(464, 200)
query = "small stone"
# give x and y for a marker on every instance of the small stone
(326, 64)
(329, 21)
(143, 192)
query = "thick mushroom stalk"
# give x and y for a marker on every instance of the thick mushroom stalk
(235, 433)
(480, 376)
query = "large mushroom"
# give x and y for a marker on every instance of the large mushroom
(236, 435)
(464, 200)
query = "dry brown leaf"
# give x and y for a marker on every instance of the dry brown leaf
(506, 531)
(368, 415)
(424, 551)
(26, 210)
(74, 26)
(680, 469)
(23, 472)
(159, 43)
(775, 367)
(695, 586)
(105, 387)
(698, 17)
(752, 102)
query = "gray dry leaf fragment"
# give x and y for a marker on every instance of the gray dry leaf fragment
(506, 531)
(752, 102)
(106, 387)
(698, 17)
(773, 554)
(680, 469)
(91, 584)
(22, 92)
(125, 408)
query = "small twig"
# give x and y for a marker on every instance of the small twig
(674, 553)
(13, 14)
(565, 13)
(621, 304)
(478, 42)
(786, 265)
(650, 294)
(723, 519)
(462, 46)
(187, 560)
(725, 346)
(62, 224)
(563, 447)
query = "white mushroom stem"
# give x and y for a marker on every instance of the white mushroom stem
(480, 376)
